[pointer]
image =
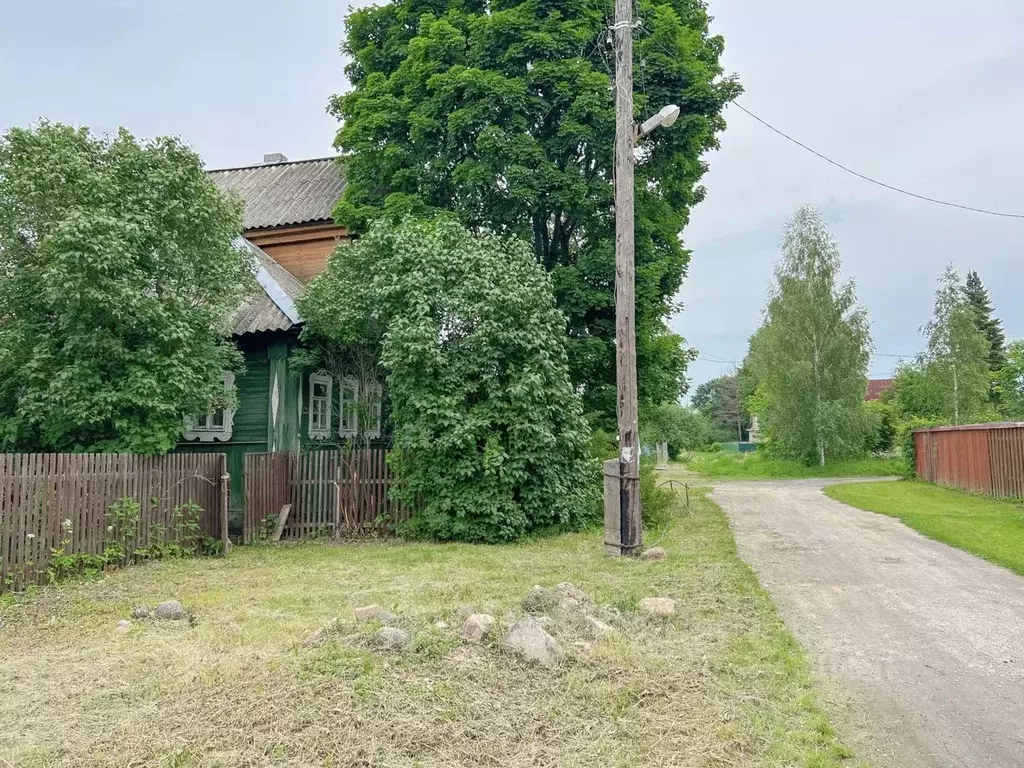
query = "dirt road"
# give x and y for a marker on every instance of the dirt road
(929, 640)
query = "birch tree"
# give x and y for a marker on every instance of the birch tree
(811, 353)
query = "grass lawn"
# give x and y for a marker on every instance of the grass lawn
(723, 683)
(754, 466)
(990, 528)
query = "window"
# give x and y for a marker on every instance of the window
(374, 397)
(349, 418)
(320, 387)
(216, 424)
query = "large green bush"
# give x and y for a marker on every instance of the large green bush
(490, 442)
(117, 277)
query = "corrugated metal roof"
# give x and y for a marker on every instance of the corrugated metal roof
(278, 194)
(272, 307)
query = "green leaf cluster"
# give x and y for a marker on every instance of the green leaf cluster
(489, 437)
(810, 356)
(503, 114)
(949, 383)
(117, 275)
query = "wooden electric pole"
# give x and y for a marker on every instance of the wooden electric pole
(630, 521)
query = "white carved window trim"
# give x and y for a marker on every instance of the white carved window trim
(374, 407)
(204, 429)
(348, 416)
(320, 405)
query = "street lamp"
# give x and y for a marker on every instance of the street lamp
(664, 119)
(623, 523)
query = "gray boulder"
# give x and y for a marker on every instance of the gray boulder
(390, 639)
(598, 628)
(654, 554)
(123, 626)
(170, 610)
(375, 613)
(528, 640)
(658, 606)
(477, 627)
(141, 612)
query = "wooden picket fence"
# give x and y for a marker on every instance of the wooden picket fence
(331, 492)
(46, 498)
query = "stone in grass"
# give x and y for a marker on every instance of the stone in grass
(539, 600)
(141, 612)
(123, 626)
(477, 627)
(573, 601)
(528, 640)
(464, 611)
(598, 628)
(655, 554)
(441, 625)
(316, 638)
(170, 610)
(390, 639)
(658, 606)
(375, 613)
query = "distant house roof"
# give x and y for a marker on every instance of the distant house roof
(277, 194)
(876, 387)
(273, 307)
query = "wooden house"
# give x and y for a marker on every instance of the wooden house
(289, 229)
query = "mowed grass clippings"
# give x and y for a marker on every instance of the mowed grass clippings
(989, 528)
(723, 683)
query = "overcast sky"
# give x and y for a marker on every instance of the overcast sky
(922, 94)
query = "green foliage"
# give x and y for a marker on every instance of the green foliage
(184, 539)
(721, 401)
(656, 502)
(684, 429)
(118, 274)
(504, 115)
(881, 422)
(1010, 382)
(977, 297)
(949, 383)
(490, 443)
(810, 356)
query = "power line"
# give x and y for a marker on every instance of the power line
(876, 181)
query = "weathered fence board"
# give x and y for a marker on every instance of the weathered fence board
(39, 492)
(984, 458)
(337, 493)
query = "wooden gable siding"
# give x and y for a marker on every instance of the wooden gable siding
(302, 250)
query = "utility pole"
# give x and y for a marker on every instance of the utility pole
(630, 520)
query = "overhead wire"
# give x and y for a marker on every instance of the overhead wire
(867, 178)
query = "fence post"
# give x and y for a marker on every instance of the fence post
(612, 508)
(225, 490)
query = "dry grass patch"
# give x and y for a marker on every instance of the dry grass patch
(721, 684)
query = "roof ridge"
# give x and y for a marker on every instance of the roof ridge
(272, 165)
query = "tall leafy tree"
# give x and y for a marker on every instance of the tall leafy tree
(810, 356)
(1011, 382)
(950, 381)
(721, 401)
(489, 435)
(503, 113)
(117, 275)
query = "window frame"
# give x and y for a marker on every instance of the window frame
(317, 432)
(350, 383)
(205, 431)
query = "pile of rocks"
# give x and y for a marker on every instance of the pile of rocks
(566, 611)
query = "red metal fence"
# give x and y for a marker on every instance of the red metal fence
(985, 458)
(330, 492)
(49, 498)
